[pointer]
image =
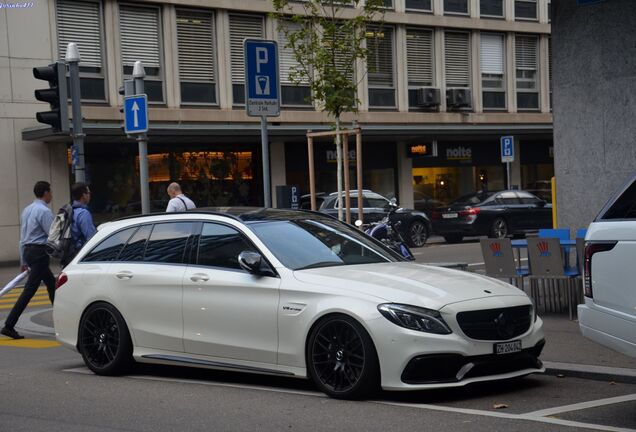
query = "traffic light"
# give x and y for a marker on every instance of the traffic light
(56, 95)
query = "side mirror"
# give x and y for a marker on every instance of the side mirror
(393, 201)
(251, 262)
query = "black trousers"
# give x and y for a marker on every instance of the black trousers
(37, 259)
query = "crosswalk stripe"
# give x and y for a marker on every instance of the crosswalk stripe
(34, 298)
(16, 294)
(32, 303)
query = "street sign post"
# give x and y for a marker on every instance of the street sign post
(136, 114)
(508, 153)
(262, 95)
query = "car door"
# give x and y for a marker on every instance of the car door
(536, 215)
(148, 276)
(510, 209)
(228, 312)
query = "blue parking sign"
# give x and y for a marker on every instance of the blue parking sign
(262, 94)
(136, 114)
(507, 149)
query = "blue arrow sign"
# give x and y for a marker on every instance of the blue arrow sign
(507, 149)
(136, 114)
(261, 78)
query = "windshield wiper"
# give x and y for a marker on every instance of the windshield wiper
(321, 264)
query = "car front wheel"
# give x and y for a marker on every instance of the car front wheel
(417, 234)
(341, 358)
(104, 341)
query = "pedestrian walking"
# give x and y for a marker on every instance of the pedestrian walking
(178, 202)
(35, 223)
(82, 227)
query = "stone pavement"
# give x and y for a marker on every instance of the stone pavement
(566, 352)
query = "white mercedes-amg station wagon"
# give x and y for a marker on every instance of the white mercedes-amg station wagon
(288, 293)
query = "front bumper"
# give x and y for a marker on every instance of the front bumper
(405, 355)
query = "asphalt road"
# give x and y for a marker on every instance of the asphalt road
(45, 387)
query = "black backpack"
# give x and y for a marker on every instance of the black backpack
(60, 242)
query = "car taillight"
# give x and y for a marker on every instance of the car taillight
(591, 249)
(469, 212)
(61, 280)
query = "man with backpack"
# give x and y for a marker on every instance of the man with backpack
(35, 223)
(82, 227)
(178, 202)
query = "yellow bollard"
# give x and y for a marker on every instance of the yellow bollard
(554, 209)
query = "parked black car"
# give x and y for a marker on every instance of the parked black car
(414, 226)
(495, 214)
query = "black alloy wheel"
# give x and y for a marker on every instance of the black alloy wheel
(104, 340)
(417, 234)
(499, 228)
(341, 358)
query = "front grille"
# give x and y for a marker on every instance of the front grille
(446, 368)
(496, 324)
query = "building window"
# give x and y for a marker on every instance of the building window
(491, 8)
(81, 22)
(388, 4)
(292, 94)
(456, 7)
(526, 9)
(140, 29)
(457, 59)
(419, 61)
(419, 5)
(526, 68)
(492, 71)
(241, 27)
(380, 67)
(197, 57)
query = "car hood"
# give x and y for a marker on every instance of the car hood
(409, 283)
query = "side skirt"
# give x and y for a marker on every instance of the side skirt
(213, 364)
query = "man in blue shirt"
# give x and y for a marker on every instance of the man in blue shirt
(82, 228)
(35, 223)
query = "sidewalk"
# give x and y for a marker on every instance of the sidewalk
(566, 352)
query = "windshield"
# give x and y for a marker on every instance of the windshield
(310, 243)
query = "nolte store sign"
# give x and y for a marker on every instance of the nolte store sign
(459, 153)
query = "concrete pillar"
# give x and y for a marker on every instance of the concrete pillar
(401, 73)
(405, 176)
(515, 166)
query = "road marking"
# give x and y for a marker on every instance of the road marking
(31, 303)
(583, 405)
(535, 416)
(12, 300)
(29, 343)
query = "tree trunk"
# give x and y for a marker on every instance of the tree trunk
(339, 163)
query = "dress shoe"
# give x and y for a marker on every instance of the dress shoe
(11, 333)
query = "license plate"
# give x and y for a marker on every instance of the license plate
(508, 347)
(449, 215)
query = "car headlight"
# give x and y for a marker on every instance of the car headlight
(414, 318)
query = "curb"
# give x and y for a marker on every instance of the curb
(600, 373)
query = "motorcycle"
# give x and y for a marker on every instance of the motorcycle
(387, 231)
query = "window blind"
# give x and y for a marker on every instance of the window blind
(80, 22)
(526, 52)
(380, 58)
(457, 59)
(196, 44)
(140, 35)
(492, 58)
(419, 57)
(241, 27)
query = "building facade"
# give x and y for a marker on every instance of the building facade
(444, 80)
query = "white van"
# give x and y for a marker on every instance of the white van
(608, 316)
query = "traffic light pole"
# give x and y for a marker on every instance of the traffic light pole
(73, 59)
(142, 139)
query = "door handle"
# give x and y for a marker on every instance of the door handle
(125, 275)
(199, 277)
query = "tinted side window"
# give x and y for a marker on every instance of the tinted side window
(134, 250)
(220, 245)
(377, 202)
(167, 242)
(527, 198)
(110, 247)
(625, 206)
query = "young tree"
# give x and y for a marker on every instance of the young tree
(328, 38)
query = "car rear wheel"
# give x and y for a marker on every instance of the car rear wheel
(341, 358)
(417, 234)
(499, 228)
(104, 340)
(453, 238)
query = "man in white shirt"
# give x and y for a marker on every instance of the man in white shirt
(178, 201)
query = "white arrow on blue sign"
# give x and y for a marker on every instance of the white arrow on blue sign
(507, 149)
(262, 91)
(136, 114)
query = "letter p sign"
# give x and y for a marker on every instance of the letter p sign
(261, 58)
